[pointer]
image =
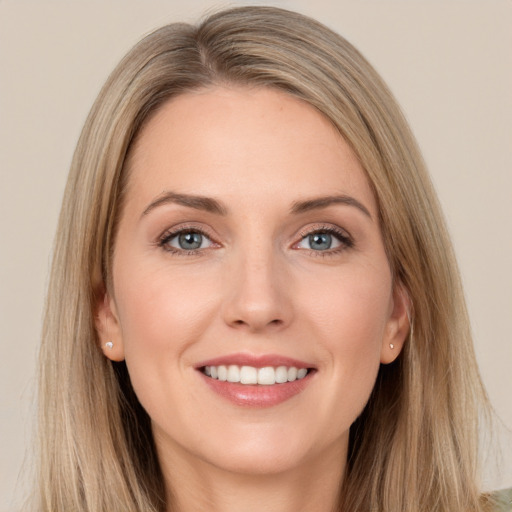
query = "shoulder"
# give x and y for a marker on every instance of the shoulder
(502, 500)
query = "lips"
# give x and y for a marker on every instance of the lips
(257, 381)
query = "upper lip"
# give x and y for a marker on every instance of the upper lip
(257, 361)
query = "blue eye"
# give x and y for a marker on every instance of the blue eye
(320, 241)
(324, 240)
(186, 241)
(189, 241)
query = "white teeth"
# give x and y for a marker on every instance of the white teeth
(266, 376)
(233, 373)
(281, 374)
(292, 374)
(222, 373)
(248, 375)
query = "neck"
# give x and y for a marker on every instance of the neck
(198, 485)
(195, 486)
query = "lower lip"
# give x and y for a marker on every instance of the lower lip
(257, 395)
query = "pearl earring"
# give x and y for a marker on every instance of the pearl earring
(109, 345)
(391, 346)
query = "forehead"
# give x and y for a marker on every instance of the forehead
(227, 142)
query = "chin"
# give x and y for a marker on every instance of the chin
(261, 459)
(267, 450)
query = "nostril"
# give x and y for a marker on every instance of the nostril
(277, 322)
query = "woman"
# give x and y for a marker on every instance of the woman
(254, 303)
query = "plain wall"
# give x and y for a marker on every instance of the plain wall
(448, 62)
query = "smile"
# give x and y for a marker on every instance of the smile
(250, 375)
(258, 381)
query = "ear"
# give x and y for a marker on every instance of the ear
(108, 327)
(398, 325)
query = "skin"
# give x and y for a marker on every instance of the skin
(256, 286)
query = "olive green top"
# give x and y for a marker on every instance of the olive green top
(503, 500)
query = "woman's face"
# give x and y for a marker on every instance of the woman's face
(249, 248)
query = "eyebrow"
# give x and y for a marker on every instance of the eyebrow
(191, 201)
(212, 206)
(324, 202)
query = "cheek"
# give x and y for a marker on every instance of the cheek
(352, 307)
(161, 313)
(350, 315)
(157, 305)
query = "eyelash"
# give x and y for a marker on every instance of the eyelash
(169, 235)
(342, 236)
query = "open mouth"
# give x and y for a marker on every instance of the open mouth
(250, 375)
(256, 381)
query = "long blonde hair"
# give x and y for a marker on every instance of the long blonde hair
(414, 448)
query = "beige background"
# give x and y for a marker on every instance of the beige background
(448, 62)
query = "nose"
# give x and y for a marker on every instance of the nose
(257, 293)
